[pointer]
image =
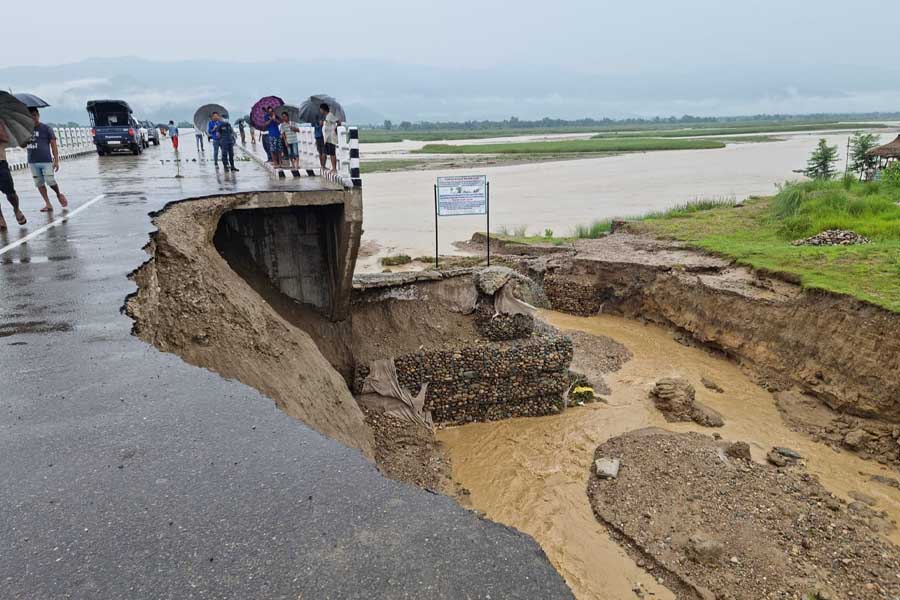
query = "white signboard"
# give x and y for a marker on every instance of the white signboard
(462, 195)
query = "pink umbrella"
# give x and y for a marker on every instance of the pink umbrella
(258, 112)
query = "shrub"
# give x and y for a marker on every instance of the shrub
(596, 229)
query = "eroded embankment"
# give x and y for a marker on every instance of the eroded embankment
(841, 351)
(191, 303)
(252, 303)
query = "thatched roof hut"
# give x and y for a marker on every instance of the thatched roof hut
(889, 150)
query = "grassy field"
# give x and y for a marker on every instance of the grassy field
(759, 233)
(576, 146)
(379, 136)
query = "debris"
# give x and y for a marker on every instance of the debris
(740, 450)
(582, 394)
(607, 468)
(787, 452)
(855, 439)
(711, 385)
(675, 398)
(833, 237)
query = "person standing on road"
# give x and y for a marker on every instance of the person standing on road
(173, 134)
(272, 127)
(320, 138)
(212, 129)
(241, 129)
(329, 131)
(43, 158)
(290, 135)
(7, 185)
(226, 144)
(198, 135)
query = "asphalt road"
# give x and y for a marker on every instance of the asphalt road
(127, 473)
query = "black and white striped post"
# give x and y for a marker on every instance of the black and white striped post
(354, 157)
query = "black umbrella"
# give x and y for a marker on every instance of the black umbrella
(309, 110)
(31, 101)
(15, 117)
(292, 111)
(204, 115)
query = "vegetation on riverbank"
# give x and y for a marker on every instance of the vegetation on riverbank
(759, 232)
(576, 146)
(431, 132)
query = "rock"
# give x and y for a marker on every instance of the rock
(491, 279)
(711, 385)
(864, 498)
(787, 452)
(704, 549)
(674, 397)
(607, 468)
(739, 450)
(833, 237)
(777, 459)
(856, 439)
(889, 481)
(706, 416)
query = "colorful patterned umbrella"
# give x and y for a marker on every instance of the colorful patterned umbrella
(14, 116)
(258, 112)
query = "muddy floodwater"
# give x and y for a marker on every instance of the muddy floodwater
(532, 473)
(399, 206)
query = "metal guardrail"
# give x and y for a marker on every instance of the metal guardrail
(71, 141)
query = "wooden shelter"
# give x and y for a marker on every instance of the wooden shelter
(886, 154)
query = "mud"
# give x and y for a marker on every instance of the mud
(842, 351)
(713, 526)
(532, 473)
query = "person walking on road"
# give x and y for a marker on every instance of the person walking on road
(43, 158)
(7, 185)
(241, 129)
(226, 144)
(329, 131)
(290, 135)
(173, 134)
(198, 135)
(212, 129)
(272, 128)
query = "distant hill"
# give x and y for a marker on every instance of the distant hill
(373, 91)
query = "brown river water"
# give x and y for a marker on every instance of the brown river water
(532, 473)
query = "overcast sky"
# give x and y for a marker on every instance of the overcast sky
(602, 35)
(834, 47)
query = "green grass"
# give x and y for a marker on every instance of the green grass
(759, 233)
(579, 146)
(395, 260)
(380, 166)
(596, 229)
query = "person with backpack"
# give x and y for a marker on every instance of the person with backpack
(226, 144)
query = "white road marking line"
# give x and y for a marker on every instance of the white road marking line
(50, 225)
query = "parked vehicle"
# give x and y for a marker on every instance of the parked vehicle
(152, 132)
(113, 127)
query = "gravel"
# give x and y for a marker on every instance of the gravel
(717, 527)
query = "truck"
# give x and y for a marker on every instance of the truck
(114, 127)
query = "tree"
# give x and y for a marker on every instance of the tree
(860, 144)
(821, 162)
(388, 125)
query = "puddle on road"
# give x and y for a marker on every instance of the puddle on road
(532, 473)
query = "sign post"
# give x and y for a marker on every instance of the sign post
(457, 195)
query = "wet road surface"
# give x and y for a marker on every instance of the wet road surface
(127, 473)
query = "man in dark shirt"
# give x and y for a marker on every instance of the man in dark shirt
(226, 144)
(43, 158)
